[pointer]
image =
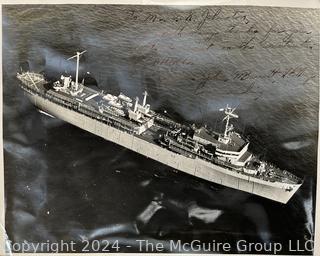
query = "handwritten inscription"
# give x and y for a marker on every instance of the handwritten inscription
(172, 61)
(191, 17)
(193, 43)
(216, 24)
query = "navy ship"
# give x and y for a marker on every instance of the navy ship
(222, 158)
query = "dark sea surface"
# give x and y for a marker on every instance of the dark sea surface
(63, 183)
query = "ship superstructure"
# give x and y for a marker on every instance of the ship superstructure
(223, 158)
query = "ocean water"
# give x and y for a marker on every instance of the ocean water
(63, 183)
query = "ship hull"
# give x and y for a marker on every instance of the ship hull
(197, 167)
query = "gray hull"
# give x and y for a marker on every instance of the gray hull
(276, 191)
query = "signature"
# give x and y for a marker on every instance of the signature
(246, 79)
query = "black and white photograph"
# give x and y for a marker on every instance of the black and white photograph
(160, 128)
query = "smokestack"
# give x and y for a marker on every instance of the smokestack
(136, 104)
(144, 98)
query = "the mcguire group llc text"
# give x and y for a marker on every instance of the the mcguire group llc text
(151, 246)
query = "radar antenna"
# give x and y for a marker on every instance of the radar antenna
(229, 113)
(77, 70)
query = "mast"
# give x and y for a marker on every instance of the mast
(77, 68)
(228, 111)
(227, 126)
